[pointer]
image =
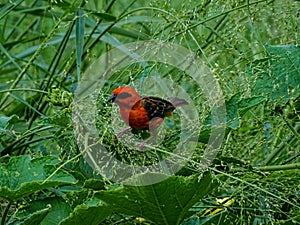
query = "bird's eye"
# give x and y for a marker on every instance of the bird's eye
(123, 95)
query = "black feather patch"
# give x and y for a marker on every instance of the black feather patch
(157, 107)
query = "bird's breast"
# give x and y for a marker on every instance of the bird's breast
(136, 118)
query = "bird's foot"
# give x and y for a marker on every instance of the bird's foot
(122, 132)
(141, 146)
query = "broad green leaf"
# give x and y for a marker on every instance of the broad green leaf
(235, 108)
(92, 212)
(247, 103)
(167, 202)
(23, 176)
(58, 209)
(33, 218)
(276, 77)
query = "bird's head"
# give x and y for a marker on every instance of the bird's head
(124, 96)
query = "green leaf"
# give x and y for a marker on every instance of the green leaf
(5, 120)
(21, 105)
(6, 8)
(232, 111)
(92, 212)
(276, 77)
(235, 108)
(7, 134)
(58, 209)
(33, 218)
(94, 184)
(247, 103)
(167, 202)
(23, 176)
(192, 221)
(27, 104)
(129, 33)
(105, 16)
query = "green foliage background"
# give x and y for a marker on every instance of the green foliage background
(250, 46)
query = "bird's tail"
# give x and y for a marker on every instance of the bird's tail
(178, 102)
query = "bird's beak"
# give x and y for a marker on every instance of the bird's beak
(112, 98)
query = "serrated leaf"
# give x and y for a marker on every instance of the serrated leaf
(167, 202)
(58, 210)
(277, 76)
(23, 176)
(92, 212)
(33, 218)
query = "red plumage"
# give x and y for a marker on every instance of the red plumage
(143, 113)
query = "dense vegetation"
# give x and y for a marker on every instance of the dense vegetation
(47, 50)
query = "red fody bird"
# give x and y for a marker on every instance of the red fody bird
(143, 113)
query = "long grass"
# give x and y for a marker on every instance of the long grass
(46, 47)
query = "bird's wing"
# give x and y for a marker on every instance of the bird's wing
(157, 107)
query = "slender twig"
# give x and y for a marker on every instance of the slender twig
(214, 17)
(31, 60)
(276, 151)
(293, 166)
(292, 128)
(11, 147)
(23, 89)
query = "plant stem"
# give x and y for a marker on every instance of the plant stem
(289, 138)
(4, 215)
(278, 167)
(293, 166)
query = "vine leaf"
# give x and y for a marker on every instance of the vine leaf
(91, 212)
(276, 77)
(23, 176)
(167, 202)
(46, 211)
(33, 218)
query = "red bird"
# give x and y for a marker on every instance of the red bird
(143, 113)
